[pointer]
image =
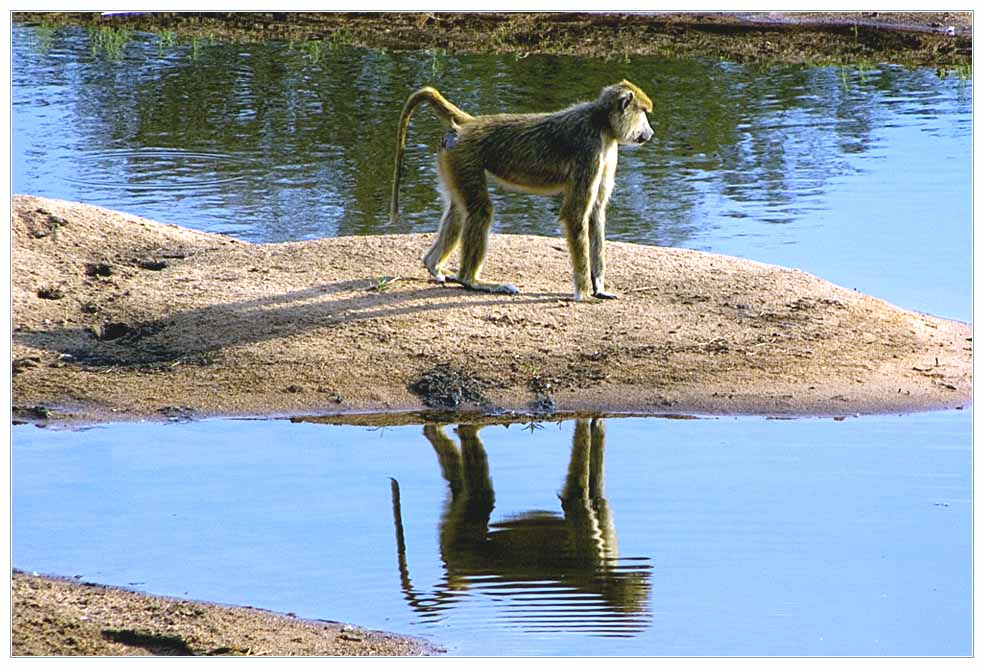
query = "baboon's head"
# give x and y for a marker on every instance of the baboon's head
(627, 106)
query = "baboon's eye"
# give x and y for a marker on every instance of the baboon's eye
(627, 100)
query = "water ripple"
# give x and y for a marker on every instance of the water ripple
(159, 169)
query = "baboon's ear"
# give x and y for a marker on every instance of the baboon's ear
(626, 100)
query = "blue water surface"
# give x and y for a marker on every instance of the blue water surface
(735, 536)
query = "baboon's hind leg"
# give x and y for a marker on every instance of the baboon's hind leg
(475, 239)
(448, 236)
(449, 231)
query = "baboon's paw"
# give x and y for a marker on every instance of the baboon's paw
(505, 289)
(436, 275)
(601, 294)
(494, 288)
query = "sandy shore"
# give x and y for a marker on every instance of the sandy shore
(117, 317)
(57, 617)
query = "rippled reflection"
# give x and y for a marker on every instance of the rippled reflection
(174, 170)
(737, 147)
(551, 571)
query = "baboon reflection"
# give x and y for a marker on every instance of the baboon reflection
(557, 570)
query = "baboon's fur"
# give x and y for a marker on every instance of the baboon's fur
(572, 152)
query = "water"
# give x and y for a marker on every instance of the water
(862, 177)
(722, 536)
(734, 536)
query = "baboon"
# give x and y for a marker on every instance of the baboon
(572, 152)
(572, 554)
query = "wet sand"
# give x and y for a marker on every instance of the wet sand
(58, 617)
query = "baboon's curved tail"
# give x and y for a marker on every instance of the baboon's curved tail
(449, 113)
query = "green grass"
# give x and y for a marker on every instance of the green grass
(108, 41)
(44, 36)
(313, 52)
(438, 61)
(166, 39)
(339, 39)
(382, 283)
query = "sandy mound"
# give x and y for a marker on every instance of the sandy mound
(115, 315)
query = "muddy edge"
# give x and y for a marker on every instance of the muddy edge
(58, 617)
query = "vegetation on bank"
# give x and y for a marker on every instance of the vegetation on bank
(913, 39)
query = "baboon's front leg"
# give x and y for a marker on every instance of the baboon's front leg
(596, 225)
(574, 214)
(581, 506)
(596, 228)
(596, 492)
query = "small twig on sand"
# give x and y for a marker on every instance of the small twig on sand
(382, 283)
